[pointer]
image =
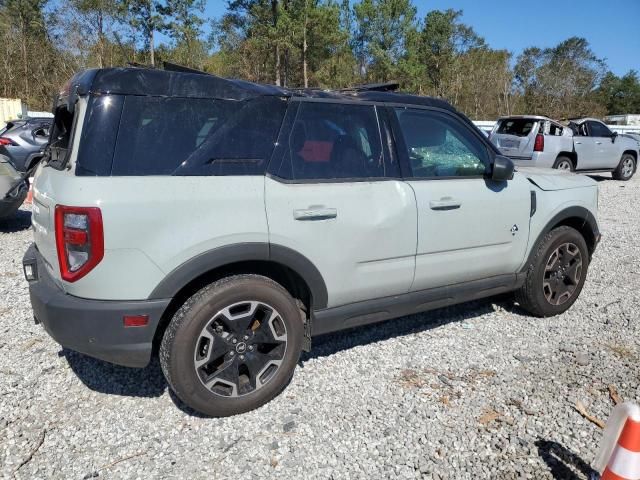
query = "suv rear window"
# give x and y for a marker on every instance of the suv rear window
(178, 136)
(520, 127)
(157, 134)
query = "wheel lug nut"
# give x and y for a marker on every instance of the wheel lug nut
(241, 357)
(251, 348)
(234, 340)
(246, 337)
(232, 353)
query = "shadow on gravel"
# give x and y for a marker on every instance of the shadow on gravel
(18, 222)
(563, 463)
(600, 178)
(112, 379)
(105, 377)
(329, 344)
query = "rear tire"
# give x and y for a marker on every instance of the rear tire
(233, 346)
(556, 273)
(626, 168)
(564, 163)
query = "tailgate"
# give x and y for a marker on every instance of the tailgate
(515, 137)
(513, 145)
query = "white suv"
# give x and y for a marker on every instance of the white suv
(585, 145)
(224, 223)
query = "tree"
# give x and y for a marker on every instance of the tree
(383, 27)
(146, 17)
(185, 30)
(560, 81)
(440, 44)
(29, 21)
(621, 95)
(95, 18)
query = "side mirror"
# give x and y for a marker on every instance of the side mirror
(502, 169)
(614, 135)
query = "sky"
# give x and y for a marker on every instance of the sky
(612, 27)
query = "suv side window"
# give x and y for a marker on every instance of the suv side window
(598, 129)
(196, 136)
(438, 145)
(332, 141)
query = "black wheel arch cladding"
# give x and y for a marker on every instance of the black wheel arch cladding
(577, 217)
(220, 257)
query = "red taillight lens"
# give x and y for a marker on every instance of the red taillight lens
(7, 141)
(135, 320)
(79, 240)
(539, 145)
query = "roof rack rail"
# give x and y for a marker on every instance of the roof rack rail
(373, 87)
(139, 65)
(174, 67)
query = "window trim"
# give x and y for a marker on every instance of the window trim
(290, 118)
(402, 149)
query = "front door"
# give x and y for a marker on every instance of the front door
(334, 196)
(588, 149)
(469, 227)
(607, 152)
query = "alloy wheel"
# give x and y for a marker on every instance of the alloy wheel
(562, 274)
(240, 348)
(564, 165)
(627, 167)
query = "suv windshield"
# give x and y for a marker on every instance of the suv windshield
(520, 127)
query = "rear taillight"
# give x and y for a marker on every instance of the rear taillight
(79, 240)
(538, 146)
(7, 142)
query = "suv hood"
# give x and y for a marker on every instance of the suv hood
(549, 179)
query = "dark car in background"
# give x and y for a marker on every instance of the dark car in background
(13, 188)
(23, 141)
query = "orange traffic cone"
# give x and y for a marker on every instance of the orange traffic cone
(619, 455)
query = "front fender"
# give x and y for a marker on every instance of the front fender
(578, 217)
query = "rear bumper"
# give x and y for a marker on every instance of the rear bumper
(92, 327)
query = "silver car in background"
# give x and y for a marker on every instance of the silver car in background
(534, 141)
(584, 145)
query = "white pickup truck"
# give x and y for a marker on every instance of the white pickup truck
(584, 145)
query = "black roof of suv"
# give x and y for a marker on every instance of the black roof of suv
(146, 81)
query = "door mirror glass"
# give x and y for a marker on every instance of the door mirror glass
(502, 169)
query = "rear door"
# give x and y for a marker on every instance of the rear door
(515, 137)
(469, 227)
(333, 194)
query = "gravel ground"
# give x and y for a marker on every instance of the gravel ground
(473, 391)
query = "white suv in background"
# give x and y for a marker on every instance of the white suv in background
(585, 145)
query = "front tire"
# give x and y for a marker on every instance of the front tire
(233, 346)
(556, 273)
(626, 168)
